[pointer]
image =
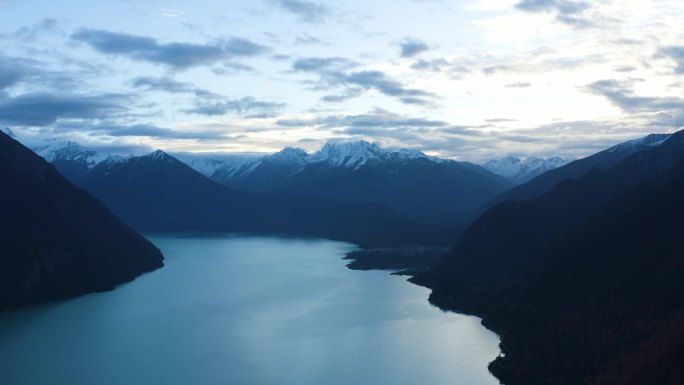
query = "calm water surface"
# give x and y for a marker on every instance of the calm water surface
(247, 310)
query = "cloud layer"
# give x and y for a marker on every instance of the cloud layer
(175, 55)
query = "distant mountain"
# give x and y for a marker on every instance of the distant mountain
(517, 170)
(573, 170)
(208, 163)
(263, 174)
(56, 240)
(415, 185)
(589, 271)
(71, 159)
(74, 160)
(159, 193)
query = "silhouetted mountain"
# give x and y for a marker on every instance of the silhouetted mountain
(57, 240)
(579, 281)
(573, 170)
(413, 184)
(517, 170)
(159, 193)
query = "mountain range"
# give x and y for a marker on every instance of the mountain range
(518, 170)
(159, 193)
(415, 186)
(588, 269)
(578, 269)
(58, 241)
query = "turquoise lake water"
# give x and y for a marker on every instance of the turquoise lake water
(247, 310)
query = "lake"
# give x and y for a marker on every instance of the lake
(247, 310)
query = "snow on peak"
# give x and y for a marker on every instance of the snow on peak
(348, 153)
(520, 170)
(60, 151)
(639, 144)
(356, 154)
(64, 151)
(291, 155)
(158, 155)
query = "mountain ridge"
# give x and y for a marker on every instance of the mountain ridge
(159, 193)
(58, 240)
(591, 277)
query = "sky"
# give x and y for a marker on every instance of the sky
(468, 80)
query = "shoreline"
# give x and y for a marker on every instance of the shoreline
(415, 262)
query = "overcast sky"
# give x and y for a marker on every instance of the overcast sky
(470, 80)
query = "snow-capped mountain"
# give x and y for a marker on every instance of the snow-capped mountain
(66, 150)
(639, 144)
(357, 154)
(414, 184)
(518, 170)
(209, 163)
(71, 159)
(290, 160)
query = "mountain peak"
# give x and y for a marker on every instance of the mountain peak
(357, 154)
(518, 170)
(291, 155)
(158, 155)
(348, 153)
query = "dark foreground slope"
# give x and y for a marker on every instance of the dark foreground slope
(158, 193)
(592, 291)
(56, 240)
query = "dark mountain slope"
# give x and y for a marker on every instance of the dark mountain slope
(418, 188)
(580, 302)
(573, 170)
(511, 235)
(57, 241)
(159, 193)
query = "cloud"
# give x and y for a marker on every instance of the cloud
(676, 53)
(246, 105)
(171, 13)
(571, 12)
(659, 111)
(519, 85)
(412, 47)
(12, 71)
(306, 11)
(148, 130)
(28, 72)
(376, 124)
(321, 64)
(455, 69)
(175, 55)
(376, 80)
(623, 97)
(117, 130)
(378, 118)
(30, 33)
(334, 75)
(42, 109)
(166, 84)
